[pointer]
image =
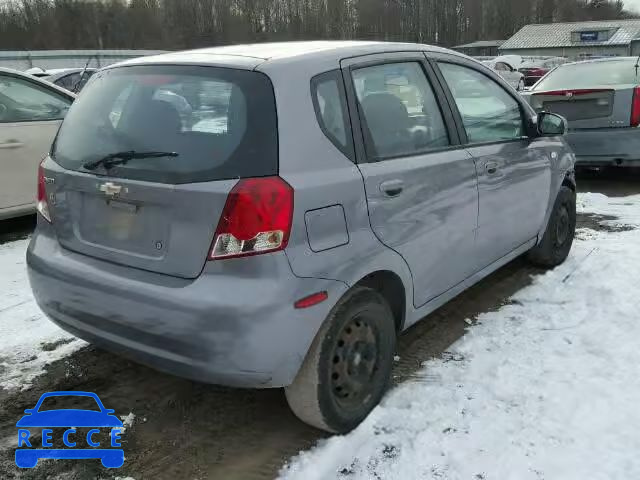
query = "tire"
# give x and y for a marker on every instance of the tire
(348, 366)
(558, 237)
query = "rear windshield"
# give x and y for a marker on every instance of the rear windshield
(220, 122)
(590, 74)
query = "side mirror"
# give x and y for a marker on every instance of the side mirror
(551, 125)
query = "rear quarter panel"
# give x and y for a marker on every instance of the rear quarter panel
(322, 176)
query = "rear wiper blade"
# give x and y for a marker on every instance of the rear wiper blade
(121, 158)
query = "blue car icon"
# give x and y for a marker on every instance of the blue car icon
(100, 417)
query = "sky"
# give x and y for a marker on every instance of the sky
(632, 5)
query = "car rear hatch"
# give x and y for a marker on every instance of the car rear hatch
(593, 105)
(590, 95)
(203, 129)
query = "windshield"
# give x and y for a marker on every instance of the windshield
(221, 123)
(590, 74)
(22, 100)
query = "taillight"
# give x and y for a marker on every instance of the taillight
(256, 219)
(635, 108)
(43, 205)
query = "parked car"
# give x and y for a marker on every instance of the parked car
(30, 114)
(73, 79)
(37, 72)
(601, 101)
(534, 70)
(507, 67)
(291, 244)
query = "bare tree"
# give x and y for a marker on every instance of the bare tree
(177, 24)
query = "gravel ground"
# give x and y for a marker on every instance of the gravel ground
(184, 429)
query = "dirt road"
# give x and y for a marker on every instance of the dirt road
(184, 429)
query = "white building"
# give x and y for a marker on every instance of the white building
(576, 40)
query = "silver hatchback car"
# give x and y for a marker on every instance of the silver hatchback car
(314, 200)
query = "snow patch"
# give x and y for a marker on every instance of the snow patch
(546, 387)
(127, 421)
(28, 340)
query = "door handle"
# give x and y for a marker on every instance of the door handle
(392, 188)
(11, 144)
(491, 167)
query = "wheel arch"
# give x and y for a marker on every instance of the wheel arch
(569, 180)
(392, 288)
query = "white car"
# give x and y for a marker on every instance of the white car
(507, 67)
(30, 112)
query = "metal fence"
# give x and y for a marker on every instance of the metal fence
(48, 59)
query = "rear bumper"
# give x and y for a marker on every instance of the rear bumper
(606, 147)
(233, 325)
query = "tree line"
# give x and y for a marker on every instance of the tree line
(179, 24)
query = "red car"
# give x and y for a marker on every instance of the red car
(534, 70)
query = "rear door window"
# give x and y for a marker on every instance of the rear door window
(399, 111)
(330, 104)
(221, 123)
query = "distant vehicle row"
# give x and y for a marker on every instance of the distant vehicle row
(522, 73)
(599, 98)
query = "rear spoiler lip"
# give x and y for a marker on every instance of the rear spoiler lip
(573, 92)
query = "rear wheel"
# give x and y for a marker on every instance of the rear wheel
(348, 366)
(558, 238)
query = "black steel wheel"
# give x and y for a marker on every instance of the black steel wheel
(348, 367)
(561, 228)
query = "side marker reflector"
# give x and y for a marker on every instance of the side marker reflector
(311, 300)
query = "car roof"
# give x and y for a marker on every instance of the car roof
(33, 79)
(306, 53)
(602, 60)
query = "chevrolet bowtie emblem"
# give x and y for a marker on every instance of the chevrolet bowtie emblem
(111, 189)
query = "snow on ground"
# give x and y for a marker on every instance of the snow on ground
(28, 340)
(127, 421)
(547, 387)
